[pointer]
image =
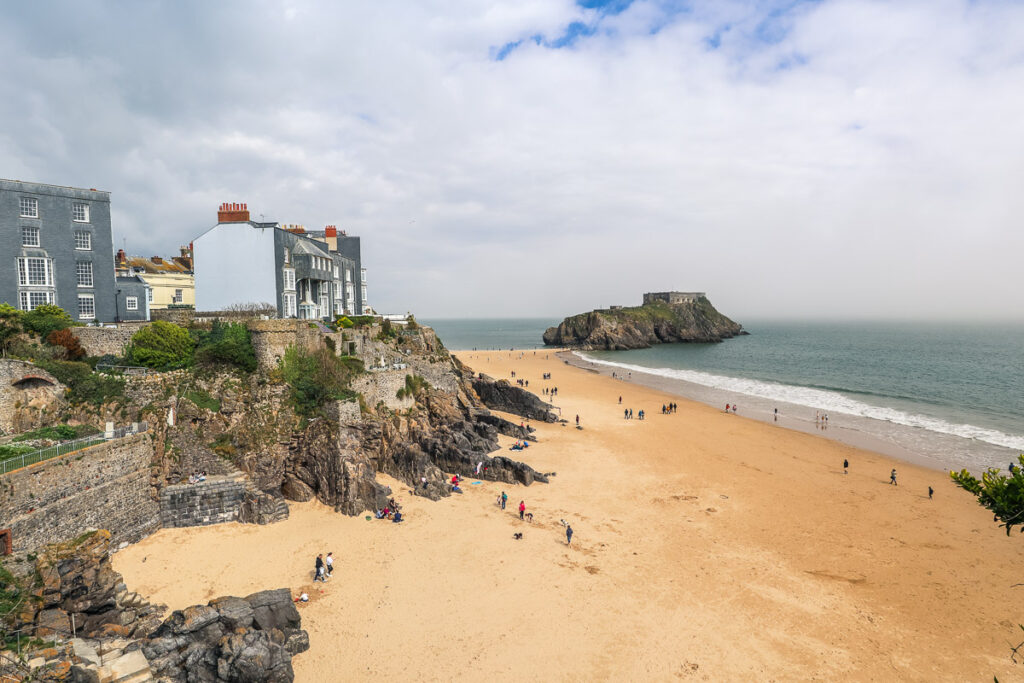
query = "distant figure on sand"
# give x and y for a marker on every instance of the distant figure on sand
(568, 535)
(846, 466)
(620, 403)
(319, 569)
(892, 477)
(733, 408)
(930, 492)
(329, 562)
(522, 509)
(577, 420)
(727, 406)
(504, 499)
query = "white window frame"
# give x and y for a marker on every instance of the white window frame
(25, 271)
(85, 212)
(28, 207)
(29, 230)
(289, 305)
(348, 275)
(288, 279)
(287, 255)
(25, 299)
(149, 295)
(82, 314)
(131, 303)
(84, 244)
(179, 296)
(84, 275)
(336, 269)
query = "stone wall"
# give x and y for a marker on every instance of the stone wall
(29, 396)
(213, 501)
(178, 316)
(382, 387)
(102, 487)
(101, 341)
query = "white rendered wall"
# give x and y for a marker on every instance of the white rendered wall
(234, 264)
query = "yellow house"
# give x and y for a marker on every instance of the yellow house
(170, 280)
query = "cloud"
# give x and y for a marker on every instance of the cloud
(835, 158)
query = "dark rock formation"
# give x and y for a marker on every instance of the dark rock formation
(501, 395)
(229, 639)
(78, 581)
(262, 507)
(641, 326)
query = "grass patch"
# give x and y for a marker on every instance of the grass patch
(203, 400)
(58, 433)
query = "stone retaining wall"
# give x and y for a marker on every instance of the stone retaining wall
(102, 487)
(101, 341)
(213, 501)
(382, 387)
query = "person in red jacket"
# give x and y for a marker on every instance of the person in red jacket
(522, 509)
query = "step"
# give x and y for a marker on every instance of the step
(128, 668)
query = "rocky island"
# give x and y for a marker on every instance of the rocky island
(664, 318)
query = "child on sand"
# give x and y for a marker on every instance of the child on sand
(892, 477)
(522, 509)
(846, 466)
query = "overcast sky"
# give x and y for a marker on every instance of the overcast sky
(837, 159)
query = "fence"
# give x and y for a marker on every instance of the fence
(123, 369)
(16, 462)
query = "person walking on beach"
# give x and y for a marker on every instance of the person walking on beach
(329, 562)
(577, 420)
(892, 477)
(846, 466)
(319, 575)
(776, 414)
(504, 499)
(568, 535)
(620, 403)
(930, 492)
(625, 414)
(522, 509)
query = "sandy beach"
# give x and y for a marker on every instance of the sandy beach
(707, 547)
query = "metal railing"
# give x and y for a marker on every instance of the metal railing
(124, 369)
(16, 462)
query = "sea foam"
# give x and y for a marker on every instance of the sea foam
(826, 401)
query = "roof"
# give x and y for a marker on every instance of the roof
(308, 246)
(134, 279)
(178, 264)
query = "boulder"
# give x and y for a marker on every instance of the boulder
(500, 395)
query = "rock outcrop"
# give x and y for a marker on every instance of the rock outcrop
(229, 639)
(641, 326)
(504, 396)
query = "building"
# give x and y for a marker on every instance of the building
(170, 280)
(673, 297)
(300, 274)
(131, 296)
(56, 248)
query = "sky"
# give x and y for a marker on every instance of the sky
(838, 159)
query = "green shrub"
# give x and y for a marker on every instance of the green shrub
(13, 451)
(56, 433)
(223, 446)
(46, 319)
(10, 324)
(343, 323)
(363, 320)
(84, 385)
(226, 344)
(1000, 493)
(161, 346)
(316, 377)
(414, 386)
(203, 400)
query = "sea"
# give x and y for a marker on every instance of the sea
(943, 395)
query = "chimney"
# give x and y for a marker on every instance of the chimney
(157, 260)
(121, 258)
(331, 237)
(233, 213)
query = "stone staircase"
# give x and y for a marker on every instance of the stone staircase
(112, 662)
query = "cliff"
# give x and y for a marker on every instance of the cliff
(639, 327)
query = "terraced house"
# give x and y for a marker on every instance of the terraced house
(302, 274)
(56, 248)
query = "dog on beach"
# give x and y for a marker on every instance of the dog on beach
(518, 536)
(529, 517)
(563, 522)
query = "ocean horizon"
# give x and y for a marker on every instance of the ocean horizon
(948, 393)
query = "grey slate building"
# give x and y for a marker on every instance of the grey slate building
(132, 298)
(308, 275)
(56, 248)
